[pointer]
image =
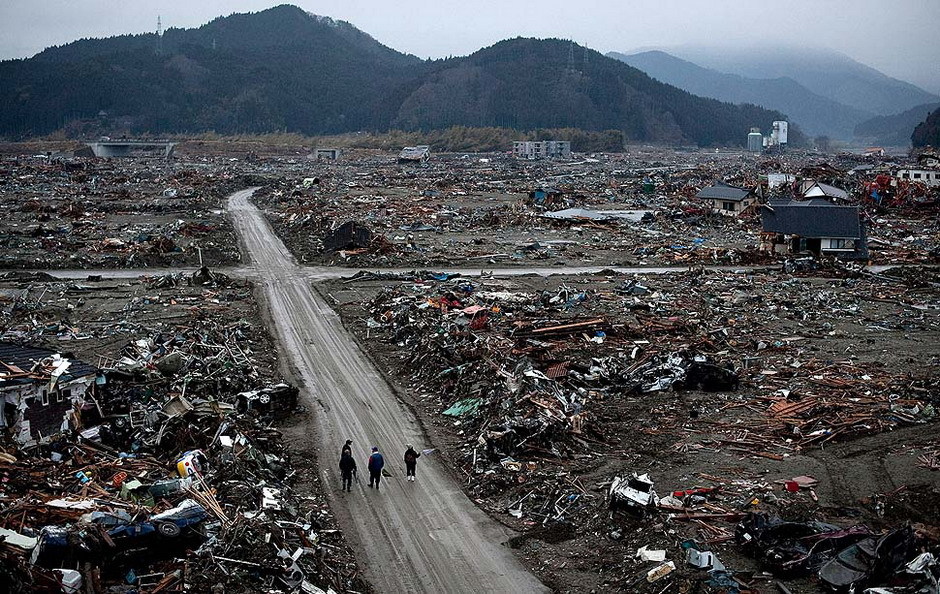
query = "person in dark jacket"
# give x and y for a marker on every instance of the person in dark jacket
(411, 462)
(347, 467)
(376, 463)
(347, 449)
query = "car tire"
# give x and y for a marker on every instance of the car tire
(168, 529)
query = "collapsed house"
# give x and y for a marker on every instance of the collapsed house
(349, 235)
(39, 389)
(414, 154)
(546, 196)
(814, 226)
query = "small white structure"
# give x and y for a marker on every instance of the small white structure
(775, 180)
(327, 154)
(930, 177)
(541, 149)
(755, 142)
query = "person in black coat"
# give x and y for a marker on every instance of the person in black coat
(347, 467)
(347, 448)
(411, 462)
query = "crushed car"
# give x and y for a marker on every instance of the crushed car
(869, 560)
(794, 548)
(634, 493)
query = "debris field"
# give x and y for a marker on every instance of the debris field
(171, 474)
(727, 419)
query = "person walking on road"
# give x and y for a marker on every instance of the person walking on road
(376, 463)
(347, 449)
(347, 467)
(411, 462)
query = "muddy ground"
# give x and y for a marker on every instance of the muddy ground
(867, 327)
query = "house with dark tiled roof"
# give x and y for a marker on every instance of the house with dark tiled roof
(39, 390)
(727, 199)
(814, 226)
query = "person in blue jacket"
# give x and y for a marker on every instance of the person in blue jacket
(376, 462)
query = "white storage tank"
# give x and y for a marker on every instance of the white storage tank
(755, 141)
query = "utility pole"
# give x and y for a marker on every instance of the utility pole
(159, 36)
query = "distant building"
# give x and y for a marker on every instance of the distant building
(779, 135)
(925, 176)
(814, 226)
(414, 154)
(727, 199)
(327, 154)
(129, 148)
(755, 142)
(780, 132)
(874, 151)
(541, 149)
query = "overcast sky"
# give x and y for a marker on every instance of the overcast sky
(898, 37)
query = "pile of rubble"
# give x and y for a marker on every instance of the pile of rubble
(542, 387)
(159, 469)
(741, 519)
(73, 212)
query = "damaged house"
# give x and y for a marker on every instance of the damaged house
(814, 226)
(727, 199)
(38, 389)
(815, 189)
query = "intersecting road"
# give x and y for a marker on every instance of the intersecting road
(424, 536)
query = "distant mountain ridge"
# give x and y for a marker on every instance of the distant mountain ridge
(824, 72)
(284, 69)
(893, 130)
(817, 115)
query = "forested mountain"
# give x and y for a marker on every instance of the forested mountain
(284, 69)
(278, 69)
(817, 115)
(527, 83)
(893, 130)
(927, 133)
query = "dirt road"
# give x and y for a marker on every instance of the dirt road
(424, 536)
